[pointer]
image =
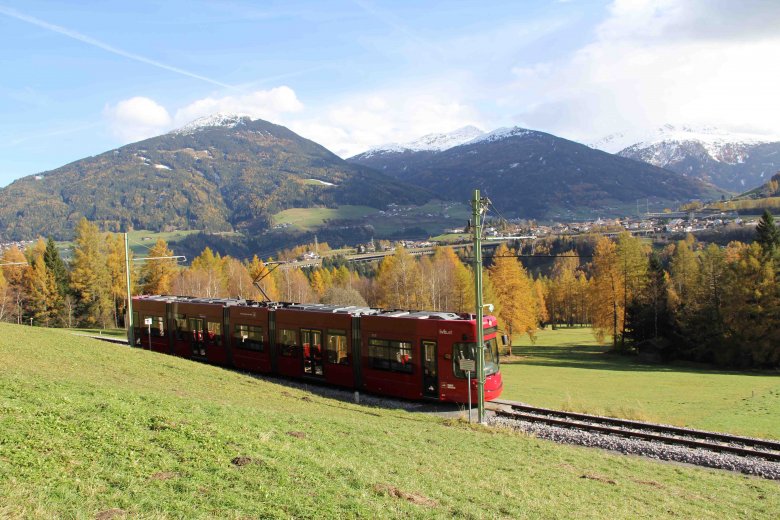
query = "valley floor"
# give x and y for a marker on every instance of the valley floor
(568, 369)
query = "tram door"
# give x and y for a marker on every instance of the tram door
(430, 370)
(312, 352)
(197, 327)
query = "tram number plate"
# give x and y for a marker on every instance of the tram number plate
(147, 321)
(468, 365)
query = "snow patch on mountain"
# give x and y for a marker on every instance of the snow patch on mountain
(501, 133)
(213, 120)
(430, 142)
(718, 143)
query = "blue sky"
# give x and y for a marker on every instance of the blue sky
(83, 77)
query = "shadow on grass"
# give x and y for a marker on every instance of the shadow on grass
(598, 357)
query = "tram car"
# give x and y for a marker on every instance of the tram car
(408, 354)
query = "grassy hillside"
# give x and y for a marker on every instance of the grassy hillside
(93, 430)
(309, 219)
(566, 368)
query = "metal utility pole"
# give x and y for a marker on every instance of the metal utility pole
(129, 319)
(478, 207)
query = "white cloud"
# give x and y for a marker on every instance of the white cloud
(137, 118)
(261, 104)
(355, 124)
(141, 117)
(658, 61)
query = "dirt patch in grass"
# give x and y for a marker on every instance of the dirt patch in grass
(651, 483)
(599, 478)
(164, 475)
(242, 461)
(110, 513)
(297, 435)
(414, 498)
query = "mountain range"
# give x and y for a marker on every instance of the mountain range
(227, 172)
(732, 161)
(529, 173)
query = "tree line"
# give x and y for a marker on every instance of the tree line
(687, 300)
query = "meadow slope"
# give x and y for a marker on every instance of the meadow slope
(94, 430)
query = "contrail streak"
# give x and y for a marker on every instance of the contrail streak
(106, 47)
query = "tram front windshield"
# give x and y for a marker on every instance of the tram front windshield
(469, 350)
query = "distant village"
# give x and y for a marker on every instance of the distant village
(659, 226)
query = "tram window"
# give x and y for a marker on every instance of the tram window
(288, 342)
(462, 351)
(336, 347)
(214, 332)
(248, 337)
(182, 326)
(158, 326)
(137, 320)
(395, 356)
(469, 350)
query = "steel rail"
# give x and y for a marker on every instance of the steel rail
(712, 441)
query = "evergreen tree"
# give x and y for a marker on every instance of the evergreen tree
(55, 264)
(767, 234)
(633, 267)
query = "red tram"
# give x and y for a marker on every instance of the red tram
(407, 354)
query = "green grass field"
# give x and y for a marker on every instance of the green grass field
(95, 430)
(568, 369)
(309, 219)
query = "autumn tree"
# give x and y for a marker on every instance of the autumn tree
(514, 292)
(606, 295)
(212, 267)
(43, 303)
(335, 295)
(156, 276)
(239, 281)
(633, 268)
(293, 286)
(15, 271)
(563, 287)
(400, 282)
(90, 278)
(261, 274)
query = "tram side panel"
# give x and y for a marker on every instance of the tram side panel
(155, 336)
(390, 356)
(249, 335)
(199, 332)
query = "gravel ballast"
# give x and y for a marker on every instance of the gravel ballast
(654, 450)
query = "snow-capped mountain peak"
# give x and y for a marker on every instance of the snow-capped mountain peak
(711, 137)
(437, 142)
(213, 120)
(501, 133)
(730, 160)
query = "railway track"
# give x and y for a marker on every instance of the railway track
(767, 450)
